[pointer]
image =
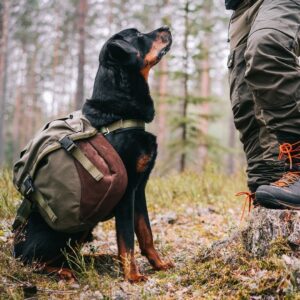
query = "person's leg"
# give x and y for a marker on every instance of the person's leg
(261, 147)
(273, 75)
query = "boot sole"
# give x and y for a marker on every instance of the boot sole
(271, 201)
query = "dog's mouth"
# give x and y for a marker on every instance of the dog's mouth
(163, 52)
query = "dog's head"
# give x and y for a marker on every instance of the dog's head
(135, 50)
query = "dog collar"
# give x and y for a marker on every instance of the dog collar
(121, 124)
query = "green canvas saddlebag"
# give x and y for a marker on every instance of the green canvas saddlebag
(71, 174)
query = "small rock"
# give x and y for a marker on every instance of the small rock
(170, 218)
(75, 286)
(86, 287)
(291, 262)
(205, 211)
(98, 295)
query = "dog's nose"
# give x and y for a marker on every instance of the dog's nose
(165, 27)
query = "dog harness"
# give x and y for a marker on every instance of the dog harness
(122, 124)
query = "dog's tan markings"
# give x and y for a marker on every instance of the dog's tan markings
(151, 57)
(142, 163)
(145, 72)
(145, 240)
(64, 274)
(130, 269)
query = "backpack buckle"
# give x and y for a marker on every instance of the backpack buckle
(27, 186)
(67, 143)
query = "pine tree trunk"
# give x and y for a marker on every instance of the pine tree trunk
(17, 122)
(205, 107)
(3, 75)
(162, 109)
(205, 83)
(55, 62)
(183, 157)
(110, 16)
(32, 93)
(81, 56)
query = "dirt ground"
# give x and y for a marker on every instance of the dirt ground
(189, 213)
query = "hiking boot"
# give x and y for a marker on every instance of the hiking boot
(285, 192)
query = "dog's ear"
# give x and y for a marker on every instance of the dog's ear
(122, 52)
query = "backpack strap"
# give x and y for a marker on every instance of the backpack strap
(39, 199)
(26, 206)
(23, 213)
(67, 143)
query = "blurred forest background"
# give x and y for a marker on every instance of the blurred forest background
(49, 57)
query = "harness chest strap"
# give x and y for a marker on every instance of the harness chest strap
(122, 124)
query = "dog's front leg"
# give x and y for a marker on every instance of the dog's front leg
(144, 232)
(125, 237)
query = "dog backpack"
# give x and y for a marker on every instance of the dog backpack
(71, 174)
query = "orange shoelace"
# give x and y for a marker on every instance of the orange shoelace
(249, 197)
(290, 152)
(287, 179)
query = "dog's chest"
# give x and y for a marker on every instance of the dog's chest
(137, 149)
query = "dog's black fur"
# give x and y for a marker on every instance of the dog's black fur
(120, 91)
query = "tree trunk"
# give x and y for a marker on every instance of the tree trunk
(205, 81)
(268, 225)
(82, 10)
(162, 109)
(3, 75)
(56, 53)
(205, 107)
(110, 16)
(263, 230)
(17, 122)
(185, 90)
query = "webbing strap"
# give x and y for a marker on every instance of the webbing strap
(23, 213)
(71, 148)
(38, 197)
(122, 124)
(87, 164)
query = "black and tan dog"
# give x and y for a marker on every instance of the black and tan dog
(121, 92)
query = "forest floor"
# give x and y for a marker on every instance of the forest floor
(188, 212)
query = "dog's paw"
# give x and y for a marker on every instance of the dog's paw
(135, 278)
(66, 275)
(164, 266)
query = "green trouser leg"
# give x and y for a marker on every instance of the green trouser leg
(273, 71)
(260, 145)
